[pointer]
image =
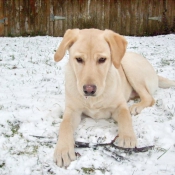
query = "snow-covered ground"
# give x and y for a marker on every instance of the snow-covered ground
(32, 104)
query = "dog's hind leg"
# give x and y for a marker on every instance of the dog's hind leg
(142, 78)
(146, 100)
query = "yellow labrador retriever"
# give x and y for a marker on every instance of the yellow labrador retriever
(100, 78)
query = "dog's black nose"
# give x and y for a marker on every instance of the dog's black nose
(89, 90)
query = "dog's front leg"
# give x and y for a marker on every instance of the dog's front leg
(127, 136)
(64, 151)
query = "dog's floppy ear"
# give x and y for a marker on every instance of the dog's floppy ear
(69, 38)
(117, 44)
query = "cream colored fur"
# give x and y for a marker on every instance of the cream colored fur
(122, 76)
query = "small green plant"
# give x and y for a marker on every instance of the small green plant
(2, 164)
(88, 170)
(13, 57)
(14, 128)
(91, 170)
(165, 62)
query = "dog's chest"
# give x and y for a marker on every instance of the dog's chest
(97, 109)
(97, 113)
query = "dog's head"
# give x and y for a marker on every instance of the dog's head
(92, 52)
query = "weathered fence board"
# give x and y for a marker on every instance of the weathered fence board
(1, 18)
(127, 17)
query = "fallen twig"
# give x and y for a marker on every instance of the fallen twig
(39, 137)
(111, 144)
(108, 148)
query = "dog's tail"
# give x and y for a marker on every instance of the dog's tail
(165, 83)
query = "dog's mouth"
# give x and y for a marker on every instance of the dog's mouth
(89, 96)
(93, 95)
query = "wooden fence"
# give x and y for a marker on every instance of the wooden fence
(53, 17)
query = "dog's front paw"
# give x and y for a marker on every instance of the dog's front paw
(64, 154)
(136, 109)
(127, 140)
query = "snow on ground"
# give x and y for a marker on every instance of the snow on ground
(32, 104)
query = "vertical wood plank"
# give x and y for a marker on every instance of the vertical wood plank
(149, 15)
(51, 23)
(106, 14)
(119, 24)
(145, 17)
(137, 17)
(86, 15)
(153, 14)
(103, 14)
(159, 14)
(83, 17)
(123, 18)
(173, 16)
(11, 16)
(39, 21)
(24, 15)
(5, 14)
(42, 17)
(75, 17)
(133, 17)
(64, 13)
(155, 23)
(169, 15)
(17, 17)
(128, 17)
(99, 14)
(32, 16)
(93, 13)
(1, 17)
(69, 14)
(161, 11)
(37, 17)
(140, 21)
(113, 15)
(80, 14)
(163, 14)
(111, 21)
(27, 17)
(47, 17)
(58, 12)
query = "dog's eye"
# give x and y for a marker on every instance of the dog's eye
(79, 60)
(101, 60)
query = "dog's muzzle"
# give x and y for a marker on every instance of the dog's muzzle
(89, 90)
